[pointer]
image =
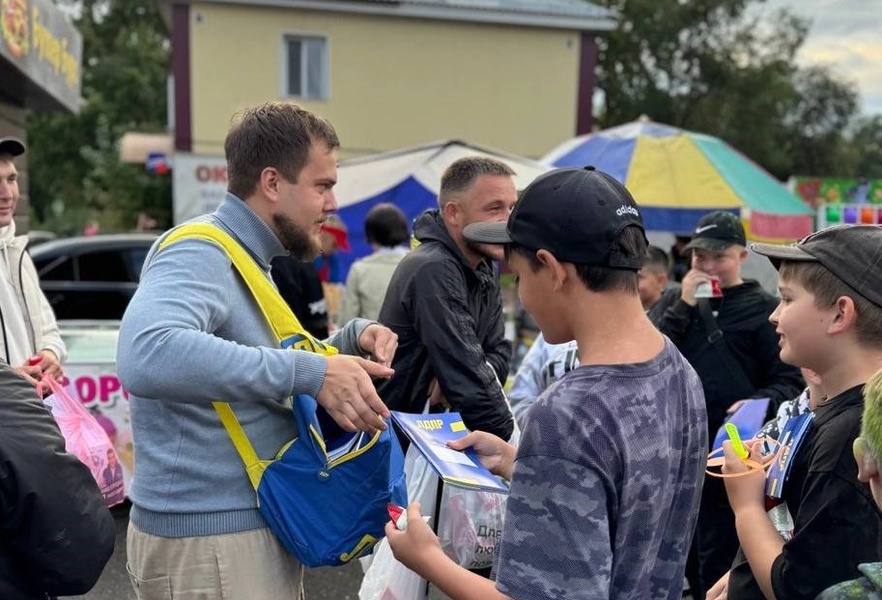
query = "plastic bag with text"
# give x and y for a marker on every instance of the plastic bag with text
(470, 525)
(385, 578)
(388, 579)
(86, 439)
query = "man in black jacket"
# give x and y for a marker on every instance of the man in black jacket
(444, 304)
(56, 534)
(737, 362)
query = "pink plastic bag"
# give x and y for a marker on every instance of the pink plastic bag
(86, 439)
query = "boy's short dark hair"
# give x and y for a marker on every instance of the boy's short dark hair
(581, 216)
(275, 134)
(845, 260)
(386, 225)
(657, 260)
(597, 279)
(827, 288)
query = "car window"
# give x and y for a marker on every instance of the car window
(60, 268)
(136, 258)
(103, 265)
(89, 345)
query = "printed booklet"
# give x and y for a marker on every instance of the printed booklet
(430, 434)
(749, 419)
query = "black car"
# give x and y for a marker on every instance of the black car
(91, 277)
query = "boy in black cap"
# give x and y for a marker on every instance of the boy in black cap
(11, 146)
(606, 479)
(29, 337)
(830, 321)
(730, 343)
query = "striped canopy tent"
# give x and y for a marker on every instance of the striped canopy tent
(677, 176)
(410, 178)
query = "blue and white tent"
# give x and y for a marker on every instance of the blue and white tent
(409, 178)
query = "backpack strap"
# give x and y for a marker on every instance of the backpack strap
(287, 329)
(284, 324)
(716, 341)
(254, 466)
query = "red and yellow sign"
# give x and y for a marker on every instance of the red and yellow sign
(41, 45)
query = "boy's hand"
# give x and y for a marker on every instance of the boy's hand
(418, 547)
(747, 490)
(495, 453)
(691, 280)
(50, 365)
(720, 591)
(735, 406)
(32, 373)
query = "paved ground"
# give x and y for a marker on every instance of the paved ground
(339, 583)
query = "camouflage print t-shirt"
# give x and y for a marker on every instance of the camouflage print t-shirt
(868, 587)
(605, 489)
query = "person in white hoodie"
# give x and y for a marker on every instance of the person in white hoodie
(30, 341)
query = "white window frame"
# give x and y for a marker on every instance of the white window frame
(325, 58)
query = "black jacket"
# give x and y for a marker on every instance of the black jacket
(743, 317)
(56, 534)
(669, 297)
(299, 285)
(448, 317)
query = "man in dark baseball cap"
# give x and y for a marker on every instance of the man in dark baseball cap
(721, 325)
(575, 241)
(30, 340)
(11, 146)
(717, 231)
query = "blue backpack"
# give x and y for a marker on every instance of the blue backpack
(325, 511)
(324, 494)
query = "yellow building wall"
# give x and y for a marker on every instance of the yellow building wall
(394, 82)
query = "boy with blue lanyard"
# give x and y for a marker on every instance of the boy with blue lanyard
(829, 320)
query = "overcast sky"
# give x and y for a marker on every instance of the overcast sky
(846, 34)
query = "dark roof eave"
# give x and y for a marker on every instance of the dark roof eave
(598, 25)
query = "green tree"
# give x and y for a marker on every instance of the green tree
(818, 120)
(863, 147)
(726, 68)
(74, 164)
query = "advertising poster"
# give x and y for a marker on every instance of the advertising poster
(817, 191)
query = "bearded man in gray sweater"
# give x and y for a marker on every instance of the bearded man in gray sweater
(194, 334)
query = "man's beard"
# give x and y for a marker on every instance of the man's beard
(298, 242)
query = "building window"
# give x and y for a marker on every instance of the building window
(306, 67)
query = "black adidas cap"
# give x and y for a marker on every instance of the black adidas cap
(575, 214)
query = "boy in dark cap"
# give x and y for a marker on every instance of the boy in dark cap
(606, 479)
(30, 340)
(830, 321)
